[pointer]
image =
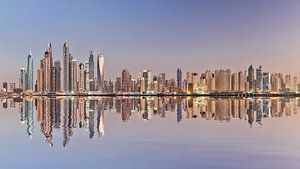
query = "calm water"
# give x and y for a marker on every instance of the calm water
(150, 133)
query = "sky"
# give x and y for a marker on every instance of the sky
(161, 35)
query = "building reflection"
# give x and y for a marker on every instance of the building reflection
(100, 119)
(27, 116)
(67, 114)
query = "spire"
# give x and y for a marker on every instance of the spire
(49, 45)
(66, 44)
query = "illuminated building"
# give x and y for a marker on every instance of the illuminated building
(100, 72)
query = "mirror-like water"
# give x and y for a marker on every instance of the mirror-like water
(150, 133)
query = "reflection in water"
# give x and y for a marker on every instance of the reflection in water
(100, 119)
(91, 118)
(29, 117)
(82, 112)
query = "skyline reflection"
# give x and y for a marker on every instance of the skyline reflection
(68, 114)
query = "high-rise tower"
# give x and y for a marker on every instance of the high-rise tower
(87, 77)
(29, 74)
(147, 75)
(259, 79)
(50, 53)
(81, 80)
(22, 79)
(47, 72)
(73, 76)
(100, 72)
(66, 65)
(50, 76)
(57, 75)
(126, 81)
(250, 78)
(91, 71)
(179, 78)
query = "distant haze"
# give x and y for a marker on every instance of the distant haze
(161, 35)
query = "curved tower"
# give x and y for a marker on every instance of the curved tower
(91, 72)
(100, 72)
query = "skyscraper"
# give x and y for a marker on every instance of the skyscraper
(126, 81)
(210, 81)
(57, 75)
(277, 82)
(87, 77)
(179, 78)
(266, 81)
(147, 75)
(294, 85)
(161, 82)
(189, 82)
(53, 80)
(66, 67)
(91, 71)
(110, 86)
(235, 82)
(50, 53)
(241, 81)
(29, 74)
(73, 76)
(40, 81)
(47, 72)
(155, 84)
(50, 77)
(259, 80)
(118, 84)
(250, 78)
(142, 85)
(223, 78)
(81, 79)
(196, 83)
(22, 79)
(288, 82)
(100, 72)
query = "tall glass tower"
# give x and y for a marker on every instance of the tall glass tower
(100, 72)
(22, 79)
(259, 79)
(29, 74)
(66, 67)
(250, 78)
(91, 72)
(179, 78)
(50, 78)
(57, 76)
(73, 76)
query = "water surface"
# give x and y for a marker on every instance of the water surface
(225, 133)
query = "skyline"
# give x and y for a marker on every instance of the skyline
(80, 78)
(207, 34)
(150, 84)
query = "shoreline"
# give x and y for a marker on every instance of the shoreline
(241, 95)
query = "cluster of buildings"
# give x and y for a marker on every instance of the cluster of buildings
(72, 77)
(250, 81)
